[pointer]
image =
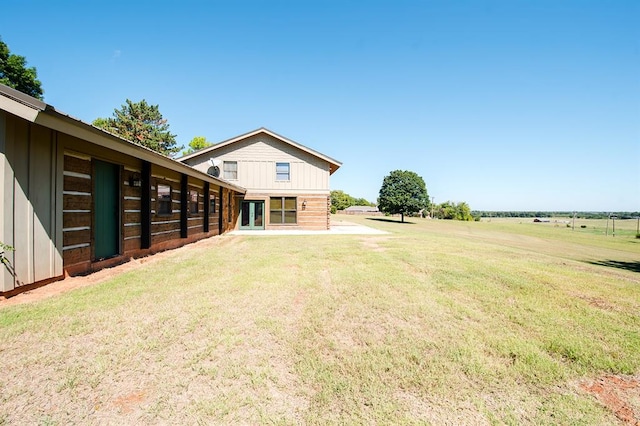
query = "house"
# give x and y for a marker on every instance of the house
(287, 183)
(76, 198)
(362, 210)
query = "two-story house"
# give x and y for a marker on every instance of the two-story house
(287, 183)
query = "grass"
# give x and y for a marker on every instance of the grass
(437, 322)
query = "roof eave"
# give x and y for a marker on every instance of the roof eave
(38, 112)
(49, 116)
(333, 164)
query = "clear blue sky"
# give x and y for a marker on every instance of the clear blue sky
(507, 105)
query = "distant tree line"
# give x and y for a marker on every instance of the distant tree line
(579, 215)
(340, 200)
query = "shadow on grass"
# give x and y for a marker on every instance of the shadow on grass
(629, 266)
(381, 219)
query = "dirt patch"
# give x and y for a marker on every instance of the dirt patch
(126, 403)
(598, 302)
(620, 394)
(372, 243)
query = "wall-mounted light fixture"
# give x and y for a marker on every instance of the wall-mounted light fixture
(304, 205)
(134, 180)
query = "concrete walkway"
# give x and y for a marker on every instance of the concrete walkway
(337, 228)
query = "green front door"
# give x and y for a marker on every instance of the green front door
(107, 210)
(252, 215)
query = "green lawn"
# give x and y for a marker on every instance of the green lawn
(437, 322)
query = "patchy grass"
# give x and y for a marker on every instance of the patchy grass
(437, 322)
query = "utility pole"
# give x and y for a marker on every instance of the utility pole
(614, 224)
(433, 201)
(573, 228)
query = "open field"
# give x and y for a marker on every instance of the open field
(437, 322)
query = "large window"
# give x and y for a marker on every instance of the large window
(164, 199)
(282, 171)
(230, 170)
(283, 210)
(193, 201)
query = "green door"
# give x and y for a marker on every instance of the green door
(107, 210)
(252, 215)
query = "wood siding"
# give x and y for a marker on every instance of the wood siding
(257, 157)
(47, 191)
(77, 207)
(315, 215)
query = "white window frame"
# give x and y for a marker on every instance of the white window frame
(230, 170)
(282, 176)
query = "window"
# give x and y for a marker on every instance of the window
(164, 199)
(230, 170)
(283, 210)
(212, 204)
(282, 171)
(193, 201)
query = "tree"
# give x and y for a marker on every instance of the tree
(196, 144)
(453, 211)
(340, 199)
(463, 212)
(403, 192)
(14, 73)
(141, 123)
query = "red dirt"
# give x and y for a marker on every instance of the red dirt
(126, 403)
(619, 394)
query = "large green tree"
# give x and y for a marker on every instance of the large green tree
(15, 73)
(403, 192)
(196, 144)
(141, 123)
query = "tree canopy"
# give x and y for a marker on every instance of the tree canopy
(403, 192)
(454, 211)
(196, 144)
(141, 123)
(340, 200)
(15, 73)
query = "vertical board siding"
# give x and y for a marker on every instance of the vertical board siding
(42, 192)
(22, 208)
(29, 224)
(257, 157)
(6, 198)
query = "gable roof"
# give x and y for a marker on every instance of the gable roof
(333, 164)
(39, 112)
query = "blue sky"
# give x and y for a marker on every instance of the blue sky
(506, 105)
